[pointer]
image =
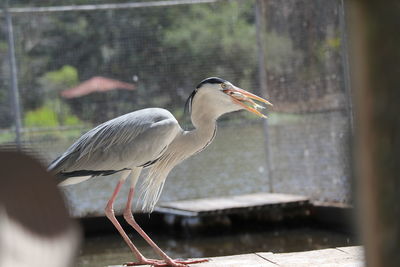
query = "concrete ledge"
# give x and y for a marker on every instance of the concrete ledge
(332, 257)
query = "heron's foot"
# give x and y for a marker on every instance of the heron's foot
(146, 262)
(160, 263)
(184, 263)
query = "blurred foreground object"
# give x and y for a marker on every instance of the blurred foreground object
(96, 84)
(376, 81)
(35, 229)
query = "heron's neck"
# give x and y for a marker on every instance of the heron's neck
(204, 116)
(191, 142)
(204, 119)
(202, 135)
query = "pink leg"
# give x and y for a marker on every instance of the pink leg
(168, 261)
(109, 211)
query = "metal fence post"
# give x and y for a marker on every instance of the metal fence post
(260, 10)
(346, 63)
(13, 77)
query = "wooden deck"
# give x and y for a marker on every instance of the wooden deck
(332, 257)
(231, 204)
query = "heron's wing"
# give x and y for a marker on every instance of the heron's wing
(128, 141)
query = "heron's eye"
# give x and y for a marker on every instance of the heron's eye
(224, 86)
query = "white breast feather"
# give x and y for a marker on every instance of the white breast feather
(153, 184)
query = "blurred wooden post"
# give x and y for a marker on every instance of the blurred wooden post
(375, 51)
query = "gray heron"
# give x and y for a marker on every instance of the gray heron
(151, 138)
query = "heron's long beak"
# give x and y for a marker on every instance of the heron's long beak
(245, 99)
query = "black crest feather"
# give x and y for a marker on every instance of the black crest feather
(189, 101)
(211, 80)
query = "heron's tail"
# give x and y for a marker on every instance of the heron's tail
(66, 178)
(53, 165)
(54, 168)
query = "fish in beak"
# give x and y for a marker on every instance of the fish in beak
(246, 100)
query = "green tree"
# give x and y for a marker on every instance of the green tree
(217, 39)
(168, 49)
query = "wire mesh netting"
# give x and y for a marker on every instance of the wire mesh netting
(78, 68)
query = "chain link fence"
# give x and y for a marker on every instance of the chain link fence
(80, 65)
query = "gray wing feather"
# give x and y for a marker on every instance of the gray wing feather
(127, 141)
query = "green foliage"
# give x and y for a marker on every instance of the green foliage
(46, 116)
(328, 47)
(54, 112)
(61, 79)
(41, 117)
(219, 26)
(219, 38)
(334, 42)
(72, 120)
(169, 49)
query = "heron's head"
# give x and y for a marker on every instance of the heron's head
(215, 97)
